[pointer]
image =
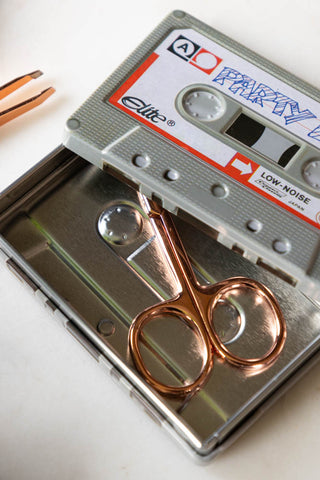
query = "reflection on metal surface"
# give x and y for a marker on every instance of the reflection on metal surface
(229, 320)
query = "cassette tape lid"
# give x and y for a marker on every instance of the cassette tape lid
(210, 128)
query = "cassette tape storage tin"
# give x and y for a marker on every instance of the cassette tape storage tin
(186, 201)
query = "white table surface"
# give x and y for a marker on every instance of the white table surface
(61, 417)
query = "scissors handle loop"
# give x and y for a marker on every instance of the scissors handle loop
(168, 309)
(222, 289)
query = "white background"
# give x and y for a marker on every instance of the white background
(60, 416)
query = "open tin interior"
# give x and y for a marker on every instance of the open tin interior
(86, 235)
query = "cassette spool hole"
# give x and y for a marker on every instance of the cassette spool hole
(120, 224)
(203, 104)
(311, 173)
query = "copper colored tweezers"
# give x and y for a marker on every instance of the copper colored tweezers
(26, 105)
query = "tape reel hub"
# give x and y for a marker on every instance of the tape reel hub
(203, 104)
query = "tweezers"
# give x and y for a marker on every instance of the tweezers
(26, 105)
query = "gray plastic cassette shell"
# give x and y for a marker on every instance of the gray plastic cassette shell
(97, 125)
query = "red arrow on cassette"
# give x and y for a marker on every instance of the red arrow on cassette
(244, 168)
(241, 168)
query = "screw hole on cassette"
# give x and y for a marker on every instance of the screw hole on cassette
(281, 245)
(254, 225)
(219, 190)
(179, 14)
(171, 175)
(141, 161)
(73, 124)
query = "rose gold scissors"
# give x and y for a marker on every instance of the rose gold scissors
(195, 305)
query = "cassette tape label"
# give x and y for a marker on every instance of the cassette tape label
(187, 58)
(191, 57)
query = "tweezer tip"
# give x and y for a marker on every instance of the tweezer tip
(51, 89)
(35, 74)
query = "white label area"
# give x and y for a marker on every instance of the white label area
(286, 193)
